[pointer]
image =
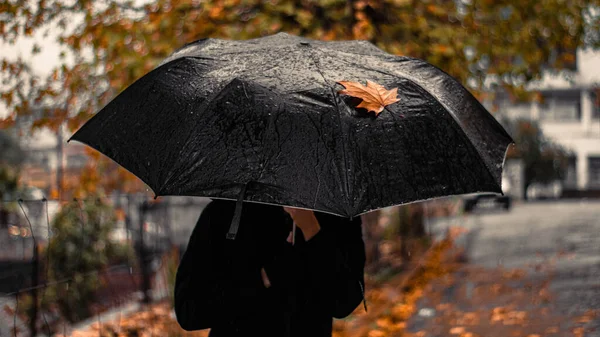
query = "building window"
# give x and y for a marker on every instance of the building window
(570, 180)
(561, 111)
(595, 104)
(561, 106)
(594, 171)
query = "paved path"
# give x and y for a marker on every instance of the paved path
(532, 271)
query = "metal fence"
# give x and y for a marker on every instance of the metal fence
(154, 231)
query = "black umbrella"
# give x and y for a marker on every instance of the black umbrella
(263, 121)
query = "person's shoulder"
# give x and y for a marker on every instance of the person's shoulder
(215, 210)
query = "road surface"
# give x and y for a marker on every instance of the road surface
(540, 260)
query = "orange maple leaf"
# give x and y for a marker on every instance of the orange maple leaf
(374, 96)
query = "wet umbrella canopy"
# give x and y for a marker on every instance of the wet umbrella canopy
(263, 120)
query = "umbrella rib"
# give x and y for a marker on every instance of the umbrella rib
(401, 134)
(411, 79)
(415, 82)
(183, 170)
(344, 150)
(452, 113)
(271, 128)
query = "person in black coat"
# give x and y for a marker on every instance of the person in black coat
(260, 284)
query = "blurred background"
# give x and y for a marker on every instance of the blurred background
(86, 250)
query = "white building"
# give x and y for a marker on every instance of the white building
(569, 116)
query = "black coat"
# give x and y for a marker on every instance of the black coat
(219, 284)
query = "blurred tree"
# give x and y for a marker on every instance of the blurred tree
(411, 226)
(11, 153)
(544, 160)
(80, 248)
(11, 157)
(109, 44)
(8, 182)
(372, 234)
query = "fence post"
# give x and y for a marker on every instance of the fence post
(34, 292)
(143, 256)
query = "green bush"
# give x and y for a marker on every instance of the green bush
(79, 249)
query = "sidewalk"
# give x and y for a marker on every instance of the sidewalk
(494, 303)
(522, 275)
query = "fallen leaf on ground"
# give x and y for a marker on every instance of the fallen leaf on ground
(515, 274)
(443, 306)
(384, 322)
(457, 330)
(402, 311)
(376, 333)
(579, 332)
(587, 317)
(469, 318)
(397, 326)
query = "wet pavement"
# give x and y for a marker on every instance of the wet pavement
(532, 271)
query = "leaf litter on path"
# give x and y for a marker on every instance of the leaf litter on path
(498, 302)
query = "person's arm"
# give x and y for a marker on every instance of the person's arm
(207, 293)
(335, 258)
(281, 259)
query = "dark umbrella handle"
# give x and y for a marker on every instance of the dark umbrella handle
(237, 214)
